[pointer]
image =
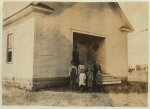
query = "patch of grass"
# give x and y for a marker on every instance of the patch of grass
(14, 96)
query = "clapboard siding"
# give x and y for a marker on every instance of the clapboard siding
(21, 69)
(52, 52)
(54, 39)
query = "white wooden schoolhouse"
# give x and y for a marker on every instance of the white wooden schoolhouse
(38, 41)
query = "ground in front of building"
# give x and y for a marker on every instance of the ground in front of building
(65, 97)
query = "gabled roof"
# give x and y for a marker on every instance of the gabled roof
(38, 7)
(42, 7)
(118, 11)
(39, 4)
(126, 25)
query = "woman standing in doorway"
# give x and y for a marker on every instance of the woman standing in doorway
(75, 56)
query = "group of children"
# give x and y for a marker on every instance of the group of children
(82, 76)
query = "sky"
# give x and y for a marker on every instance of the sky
(137, 14)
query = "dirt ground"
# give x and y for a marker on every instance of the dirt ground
(15, 96)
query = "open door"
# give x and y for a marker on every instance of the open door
(90, 47)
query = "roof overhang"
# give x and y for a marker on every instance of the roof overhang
(33, 7)
(126, 27)
(42, 7)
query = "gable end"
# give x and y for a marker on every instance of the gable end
(127, 27)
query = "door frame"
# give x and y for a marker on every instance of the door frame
(92, 34)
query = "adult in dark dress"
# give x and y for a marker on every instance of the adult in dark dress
(75, 56)
(96, 68)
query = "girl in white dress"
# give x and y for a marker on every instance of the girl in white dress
(81, 67)
(82, 80)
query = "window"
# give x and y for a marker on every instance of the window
(9, 47)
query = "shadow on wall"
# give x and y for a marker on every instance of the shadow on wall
(59, 7)
(64, 51)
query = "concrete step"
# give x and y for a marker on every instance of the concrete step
(108, 79)
(111, 82)
(111, 79)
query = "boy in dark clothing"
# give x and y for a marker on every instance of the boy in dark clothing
(72, 74)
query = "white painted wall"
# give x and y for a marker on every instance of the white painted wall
(54, 38)
(23, 44)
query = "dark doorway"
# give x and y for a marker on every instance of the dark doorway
(89, 47)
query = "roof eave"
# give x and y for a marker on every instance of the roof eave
(127, 27)
(26, 11)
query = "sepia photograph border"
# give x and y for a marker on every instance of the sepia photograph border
(65, 107)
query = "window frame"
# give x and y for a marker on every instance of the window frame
(11, 47)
